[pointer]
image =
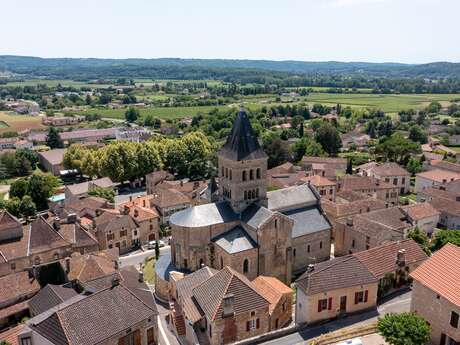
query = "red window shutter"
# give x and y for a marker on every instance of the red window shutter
(247, 326)
(257, 323)
(366, 295)
(319, 306)
(356, 298)
(329, 305)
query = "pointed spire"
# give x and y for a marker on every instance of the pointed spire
(242, 143)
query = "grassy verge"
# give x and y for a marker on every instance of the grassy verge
(149, 270)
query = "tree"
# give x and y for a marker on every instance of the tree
(53, 139)
(29, 155)
(404, 329)
(276, 150)
(306, 147)
(350, 166)
(397, 148)
(329, 139)
(414, 166)
(433, 107)
(73, 157)
(40, 187)
(421, 238)
(105, 193)
(12, 205)
(157, 250)
(443, 237)
(132, 114)
(4, 342)
(90, 164)
(27, 207)
(19, 188)
(417, 134)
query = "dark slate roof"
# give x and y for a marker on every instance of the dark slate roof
(235, 240)
(204, 215)
(242, 143)
(256, 215)
(50, 296)
(95, 318)
(338, 273)
(291, 197)
(307, 220)
(164, 266)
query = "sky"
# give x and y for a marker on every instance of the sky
(409, 31)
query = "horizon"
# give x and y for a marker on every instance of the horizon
(376, 31)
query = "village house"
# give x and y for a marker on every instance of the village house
(77, 191)
(434, 178)
(50, 296)
(220, 307)
(78, 135)
(90, 319)
(435, 294)
(169, 201)
(423, 215)
(155, 178)
(254, 232)
(392, 173)
(60, 121)
(147, 218)
(368, 230)
(446, 203)
(371, 186)
(318, 297)
(51, 160)
(440, 164)
(325, 187)
(329, 167)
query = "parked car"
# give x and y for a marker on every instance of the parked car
(355, 341)
(151, 244)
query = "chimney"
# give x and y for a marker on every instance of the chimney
(310, 268)
(72, 218)
(141, 277)
(350, 221)
(125, 209)
(196, 184)
(115, 280)
(401, 258)
(67, 265)
(56, 223)
(228, 304)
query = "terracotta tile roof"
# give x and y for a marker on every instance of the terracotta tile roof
(156, 177)
(169, 197)
(342, 207)
(89, 266)
(420, 211)
(441, 176)
(54, 157)
(338, 273)
(16, 285)
(327, 160)
(43, 237)
(75, 234)
(141, 214)
(50, 296)
(91, 202)
(109, 221)
(11, 335)
(14, 309)
(88, 322)
(317, 180)
(82, 188)
(440, 273)
(383, 259)
(10, 227)
(445, 165)
(15, 249)
(390, 169)
(282, 169)
(272, 289)
(210, 294)
(361, 183)
(443, 201)
(283, 180)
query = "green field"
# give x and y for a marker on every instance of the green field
(13, 122)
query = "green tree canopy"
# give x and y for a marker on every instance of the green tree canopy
(132, 114)
(443, 237)
(53, 139)
(306, 147)
(329, 138)
(421, 238)
(404, 329)
(417, 134)
(105, 193)
(397, 148)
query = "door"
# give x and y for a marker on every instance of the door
(343, 304)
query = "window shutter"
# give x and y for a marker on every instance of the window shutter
(366, 295)
(137, 337)
(319, 306)
(356, 298)
(329, 305)
(248, 326)
(257, 323)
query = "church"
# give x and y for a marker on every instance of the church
(256, 232)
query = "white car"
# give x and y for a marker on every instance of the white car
(151, 244)
(355, 341)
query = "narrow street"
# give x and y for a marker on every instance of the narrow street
(138, 257)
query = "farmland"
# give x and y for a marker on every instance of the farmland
(17, 123)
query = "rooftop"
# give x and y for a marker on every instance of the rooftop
(441, 176)
(291, 197)
(420, 211)
(235, 240)
(390, 169)
(307, 220)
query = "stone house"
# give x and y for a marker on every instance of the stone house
(326, 188)
(155, 178)
(446, 203)
(435, 294)
(220, 307)
(440, 164)
(434, 178)
(424, 216)
(78, 191)
(254, 231)
(147, 219)
(370, 186)
(392, 173)
(86, 320)
(353, 289)
(368, 230)
(329, 167)
(51, 160)
(168, 202)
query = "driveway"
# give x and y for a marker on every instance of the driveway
(396, 304)
(138, 257)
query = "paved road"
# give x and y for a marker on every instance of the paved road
(138, 257)
(397, 304)
(166, 336)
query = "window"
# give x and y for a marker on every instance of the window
(221, 262)
(395, 181)
(110, 237)
(210, 331)
(403, 181)
(123, 233)
(361, 296)
(276, 223)
(252, 324)
(322, 305)
(226, 172)
(243, 176)
(284, 306)
(13, 266)
(251, 174)
(150, 336)
(308, 248)
(454, 319)
(127, 340)
(245, 195)
(26, 341)
(293, 252)
(353, 243)
(245, 266)
(135, 233)
(151, 226)
(185, 263)
(37, 260)
(56, 256)
(223, 169)
(230, 174)
(258, 173)
(321, 245)
(201, 263)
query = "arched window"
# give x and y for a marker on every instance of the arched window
(222, 171)
(251, 174)
(245, 266)
(226, 172)
(201, 263)
(258, 173)
(257, 192)
(276, 223)
(245, 195)
(253, 193)
(244, 175)
(230, 174)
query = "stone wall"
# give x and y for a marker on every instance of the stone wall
(309, 249)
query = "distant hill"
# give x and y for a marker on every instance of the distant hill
(175, 68)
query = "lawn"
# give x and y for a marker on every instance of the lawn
(16, 123)
(149, 270)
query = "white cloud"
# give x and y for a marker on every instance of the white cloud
(350, 3)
